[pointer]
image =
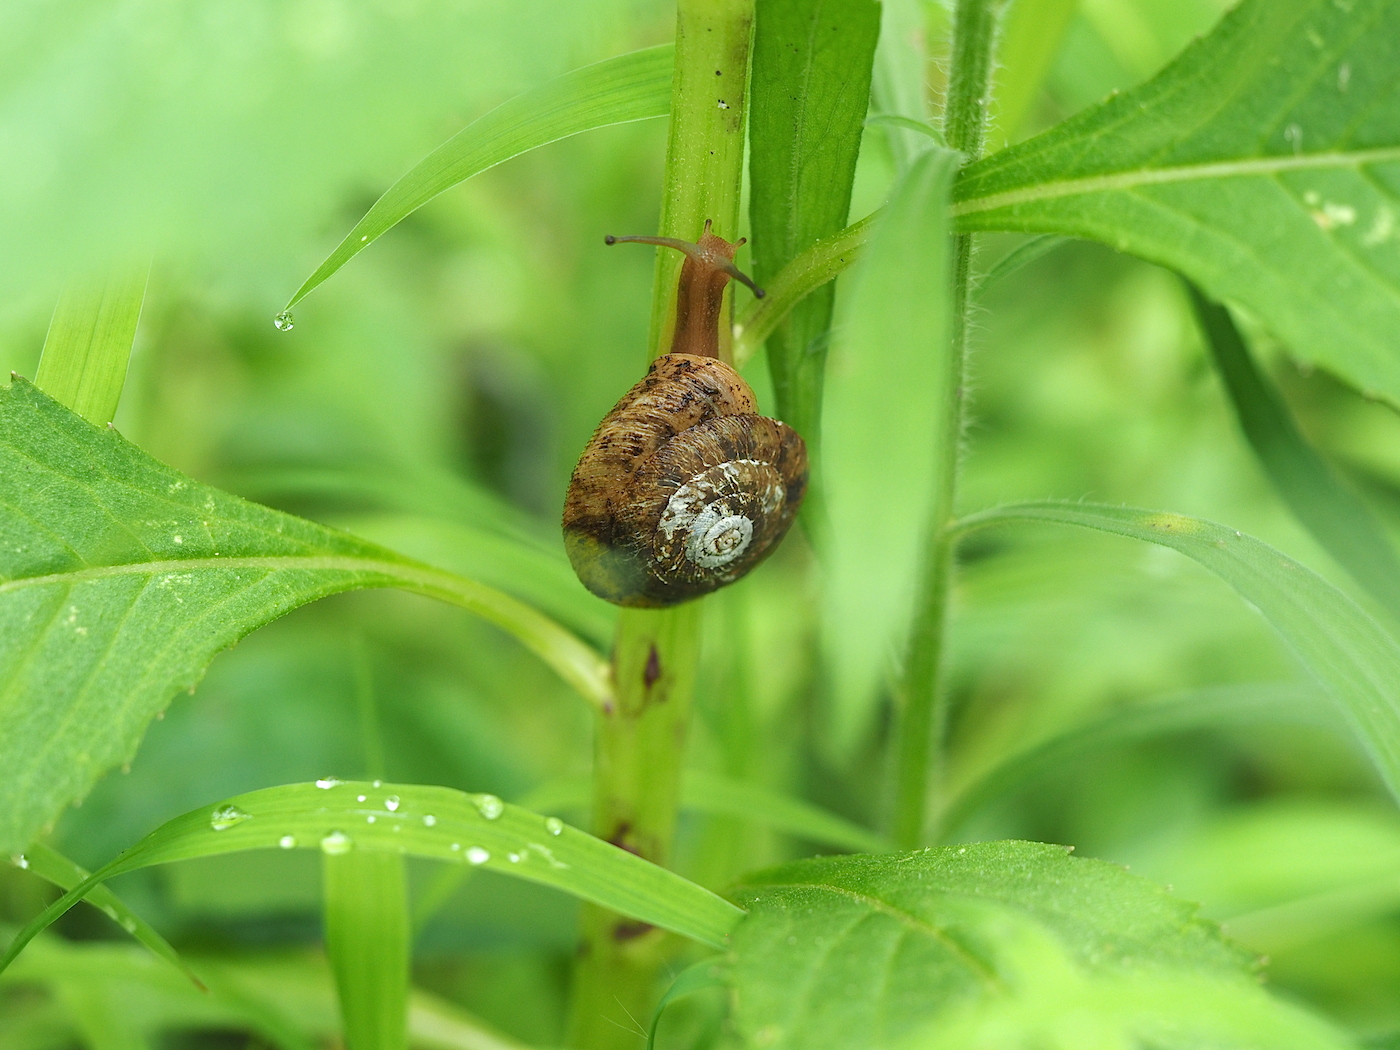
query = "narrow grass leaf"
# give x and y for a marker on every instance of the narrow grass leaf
(723, 797)
(365, 906)
(88, 346)
(285, 998)
(720, 796)
(438, 823)
(699, 977)
(856, 952)
(1327, 507)
(892, 398)
(823, 262)
(1030, 39)
(1214, 708)
(1021, 255)
(1263, 163)
(52, 866)
(619, 90)
(121, 578)
(1354, 659)
(810, 93)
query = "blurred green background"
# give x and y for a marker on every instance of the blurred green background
(448, 378)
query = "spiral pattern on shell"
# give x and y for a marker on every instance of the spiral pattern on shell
(683, 488)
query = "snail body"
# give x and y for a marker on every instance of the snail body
(683, 487)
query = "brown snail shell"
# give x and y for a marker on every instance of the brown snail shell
(683, 488)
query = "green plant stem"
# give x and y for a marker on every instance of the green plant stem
(367, 941)
(920, 734)
(640, 735)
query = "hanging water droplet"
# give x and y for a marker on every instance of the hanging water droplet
(477, 855)
(226, 817)
(19, 860)
(336, 843)
(429, 820)
(287, 842)
(391, 803)
(326, 783)
(283, 322)
(490, 806)
(554, 825)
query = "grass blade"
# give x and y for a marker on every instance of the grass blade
(88, 345)
(1354, 659)
(367, 940)
(438, 823)
(1327, 507)
(811, 90)
(891, 398)
(1222, 706)
(824, 261)
(618, 90)
(723, 797)
(54, 867)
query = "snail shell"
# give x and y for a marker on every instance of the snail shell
(683, 488)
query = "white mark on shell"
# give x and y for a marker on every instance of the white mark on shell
(712, 533)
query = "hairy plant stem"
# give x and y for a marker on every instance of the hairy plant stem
(919, 741)
(640, 736)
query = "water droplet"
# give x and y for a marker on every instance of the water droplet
(513, 857)
(391, 803)
(429, 820)
(287, 842)
(129, 924)
(554, 825)
(490, 806)
(477, 855)
(226, 817)
(326, 783)
(359, 798)
(336, 843)
(19, 860)
(369, 819)
(283, 322)
(364, 238)
(1239, 534)
(377, 783)
(456, 846)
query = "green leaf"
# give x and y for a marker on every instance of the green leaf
(367, 942)
(1353, 658)
(892, 397)
(439, 823)
(1264, 163)
(120, 579)
(89, 344)
(994, 942)
(1331, 511)
(630, 87)
(47, 863)
(810, 91)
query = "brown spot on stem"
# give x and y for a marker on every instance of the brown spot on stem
(627, 931)
(653, 668)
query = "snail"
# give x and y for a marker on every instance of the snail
(683, 487)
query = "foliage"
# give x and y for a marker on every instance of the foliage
(915, 667)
